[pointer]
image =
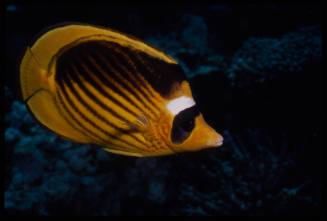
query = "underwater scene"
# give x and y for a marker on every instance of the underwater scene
(166, 110)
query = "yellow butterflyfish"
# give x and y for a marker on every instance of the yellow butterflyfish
(91, 84)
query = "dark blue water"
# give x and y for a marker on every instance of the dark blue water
(255, 71)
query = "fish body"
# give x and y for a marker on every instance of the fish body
(91, 84)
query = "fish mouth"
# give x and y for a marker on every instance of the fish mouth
(220, 142)
(217, 142)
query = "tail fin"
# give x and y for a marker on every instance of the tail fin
(30, 83)
(38, 91)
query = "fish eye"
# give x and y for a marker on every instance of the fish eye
(183, 124)
(188, 125)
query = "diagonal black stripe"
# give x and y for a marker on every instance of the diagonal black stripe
(139, 67)
(62, 107)
(85, 73)
(160, 74)
(120, 62)
(109, 69)
(76, 69)
(85, 131)
(86, 119)
(90, 109)
(104, 106)
(98, 73)
(111, 63)
(100, 47)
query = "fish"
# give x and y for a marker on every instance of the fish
(94, 85)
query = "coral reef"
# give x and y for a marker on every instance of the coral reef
(193, 52)
(252, 181)
(261, 59)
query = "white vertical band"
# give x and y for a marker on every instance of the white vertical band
(179, 104)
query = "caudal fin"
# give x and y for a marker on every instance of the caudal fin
(38, 90)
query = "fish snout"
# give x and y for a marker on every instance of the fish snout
(216, 141)
(219, 141)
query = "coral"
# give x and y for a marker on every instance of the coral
(262, 58)
(249, 182)
(189, 46)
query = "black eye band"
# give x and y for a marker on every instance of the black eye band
(183, 124)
